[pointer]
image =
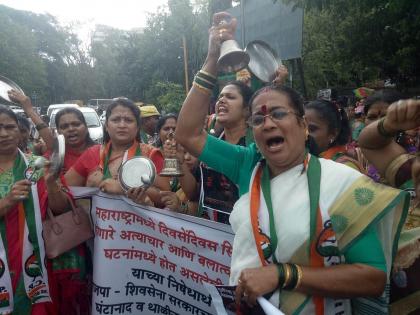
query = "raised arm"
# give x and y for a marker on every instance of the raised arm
(190, 127)
(40, 125)
(377, 139)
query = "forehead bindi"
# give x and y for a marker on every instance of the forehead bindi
(271, 99)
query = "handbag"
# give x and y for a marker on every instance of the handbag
(66, 231)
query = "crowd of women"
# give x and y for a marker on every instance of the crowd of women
(322, 199)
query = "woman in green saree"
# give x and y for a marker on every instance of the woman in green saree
(303, 225)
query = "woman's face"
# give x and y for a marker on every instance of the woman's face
(168, 127)
(376, 111)
(122, 125)
(318, 129)
(229, 107)
(281, 142)
(9, 134)
(73, 130)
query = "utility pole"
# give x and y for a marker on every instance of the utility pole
(184, 46)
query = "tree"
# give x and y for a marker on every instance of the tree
(351, 42)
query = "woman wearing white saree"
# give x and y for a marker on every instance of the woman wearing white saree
(314, 236)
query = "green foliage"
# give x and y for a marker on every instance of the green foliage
(351, 42)
(169, 96)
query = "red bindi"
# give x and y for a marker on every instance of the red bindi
(264, 109)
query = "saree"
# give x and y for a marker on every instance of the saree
(24, 273)
(348, 205)
(405, 286)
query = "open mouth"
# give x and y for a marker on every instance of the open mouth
(275, 142)
(222, 109)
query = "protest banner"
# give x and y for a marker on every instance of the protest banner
(153, 261)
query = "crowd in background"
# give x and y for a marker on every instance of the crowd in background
(227, 156)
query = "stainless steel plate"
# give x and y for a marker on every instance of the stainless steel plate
(137, 172)
(7, 85)
(58, 153)
(263, 61)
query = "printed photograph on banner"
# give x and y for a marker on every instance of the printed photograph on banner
(154, 261)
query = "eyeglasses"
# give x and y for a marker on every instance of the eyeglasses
(257, 120)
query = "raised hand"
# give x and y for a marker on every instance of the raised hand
(402, 115)
(22, 99)
(281, 75)
(223, 28)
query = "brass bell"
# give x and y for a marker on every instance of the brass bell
(171, 166)
(232, 57)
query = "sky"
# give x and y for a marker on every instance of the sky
(122, 14)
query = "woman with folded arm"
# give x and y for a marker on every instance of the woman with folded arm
(309, 231)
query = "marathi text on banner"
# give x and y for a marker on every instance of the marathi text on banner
(153, 261)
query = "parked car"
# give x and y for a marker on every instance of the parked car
(92, 121)
(52, 107)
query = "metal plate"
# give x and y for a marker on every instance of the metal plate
(57, 156)
(7, 85)
(263, 61)
(132, 170)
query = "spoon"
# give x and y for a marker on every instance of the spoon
(146, 181)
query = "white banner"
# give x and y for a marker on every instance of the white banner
(154, 261)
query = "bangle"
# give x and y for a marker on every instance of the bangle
(291, 284)
(202, 89)
(299, 277)
(382, 131)
(287, 275)
(280, 270)
(208, 76)
(203, 82)
(41, 126)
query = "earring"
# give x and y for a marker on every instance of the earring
(331, 141)
(306, 134)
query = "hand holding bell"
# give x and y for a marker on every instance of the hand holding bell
(172, 165)
(232, 57)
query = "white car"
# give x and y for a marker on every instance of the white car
(92, 120)
(53, 107)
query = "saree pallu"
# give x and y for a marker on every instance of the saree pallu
(351, 202)
(365, 204)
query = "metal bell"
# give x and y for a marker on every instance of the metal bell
(232, 57)
(171, 168)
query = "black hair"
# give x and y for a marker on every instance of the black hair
(335, 117)
(388, 96)
(295, 98)
(124, 102)
(79, 115)
(23, 123)
(7, 111)
(296, 101)
(162, 120)
(244, 90)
